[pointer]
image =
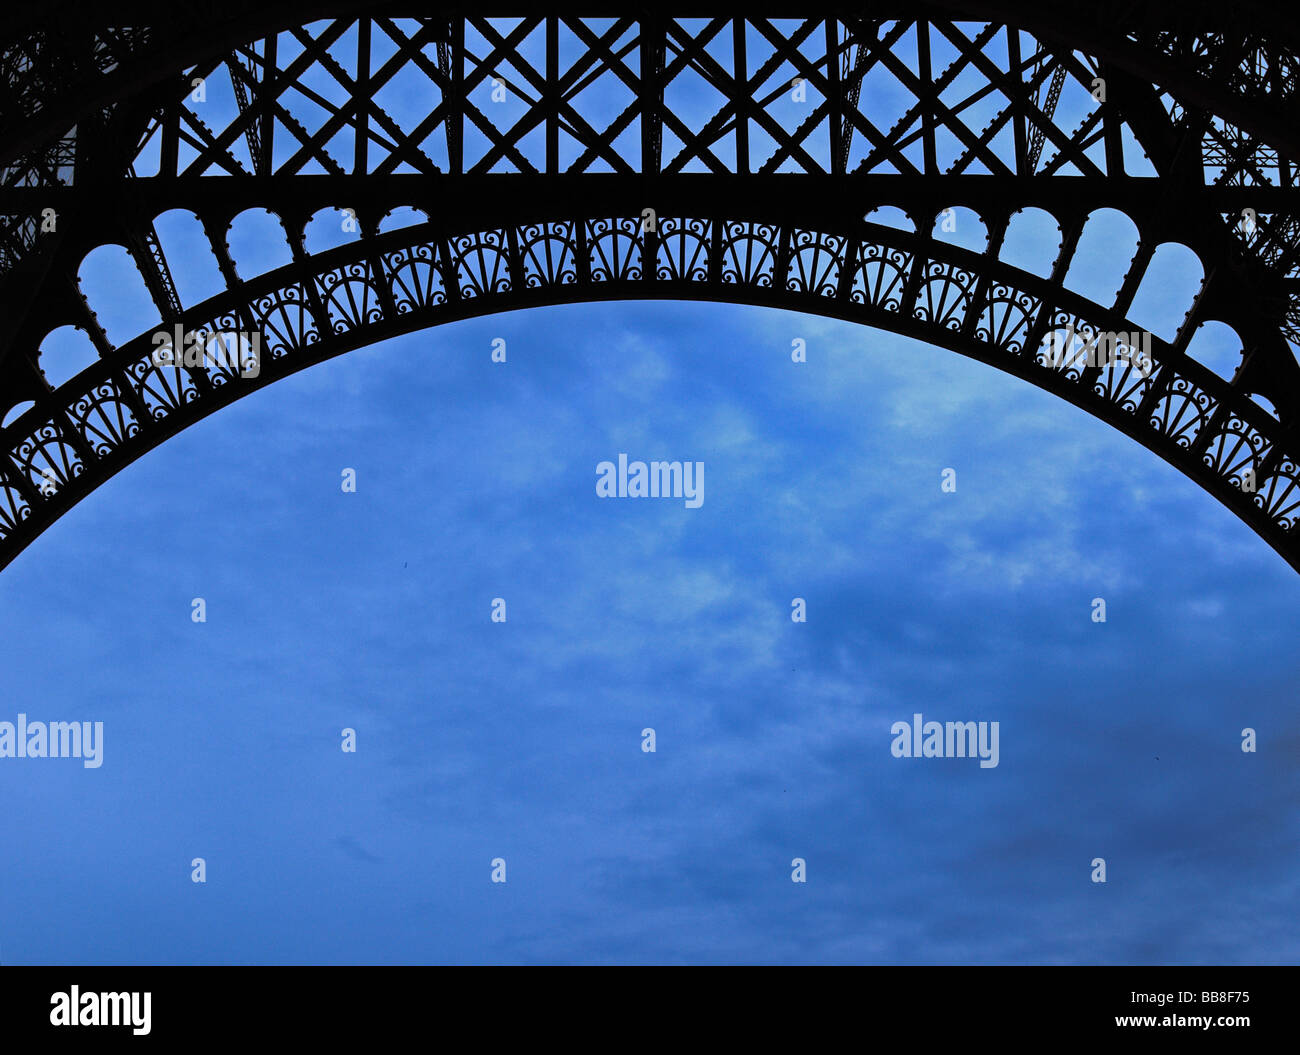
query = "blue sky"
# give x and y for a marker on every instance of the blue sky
(478, 740)
(522, 740)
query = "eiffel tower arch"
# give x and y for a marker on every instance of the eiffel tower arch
(485, 159)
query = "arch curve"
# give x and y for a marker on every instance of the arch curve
(809, 171)
(378, 286)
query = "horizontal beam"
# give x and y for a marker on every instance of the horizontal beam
(832, 195)
(1262, 15)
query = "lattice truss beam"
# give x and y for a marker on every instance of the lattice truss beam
(531, 145)
(590, 95)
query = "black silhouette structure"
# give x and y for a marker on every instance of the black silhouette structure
(555, 199)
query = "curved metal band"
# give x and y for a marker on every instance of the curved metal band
(423, 276)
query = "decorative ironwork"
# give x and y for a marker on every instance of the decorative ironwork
(594, 183)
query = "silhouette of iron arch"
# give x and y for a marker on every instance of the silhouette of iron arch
(560, 203)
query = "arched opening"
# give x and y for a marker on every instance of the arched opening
(1168, 290)
(1032, 241)
(115, 291)
(1106, 249)
(182, 238)
(65, 352)
(258, 243)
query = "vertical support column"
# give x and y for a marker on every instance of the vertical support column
(369, 227)
(920, 262)
(362, 145)
(294, 230)
(451, 64)
(835, 104)
(1112, 140)
(742, 79)
(226, 265)
(552, 98)
(926, 75)
(1073, 231)
(1018, 119)
(1141, 261)
(997, 232)
(170, 147)
(456, 130)
(265, 94)
(652, 92)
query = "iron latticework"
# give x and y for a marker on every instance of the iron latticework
(651, 153)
